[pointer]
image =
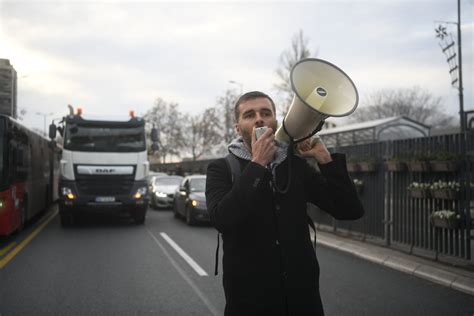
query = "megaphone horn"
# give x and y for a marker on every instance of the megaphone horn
(321, 90)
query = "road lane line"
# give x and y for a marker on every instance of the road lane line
(7, 248)
(25, 242)
(200, 271)
(201, 295)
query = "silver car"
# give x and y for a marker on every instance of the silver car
(152, 175)
(162, 191)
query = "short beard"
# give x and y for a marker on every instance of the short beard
(247, 135)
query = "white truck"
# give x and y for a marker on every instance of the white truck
(103, 166)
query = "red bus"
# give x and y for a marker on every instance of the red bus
(29, 173)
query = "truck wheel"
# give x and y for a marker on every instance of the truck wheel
(67, 220)
(139, 216)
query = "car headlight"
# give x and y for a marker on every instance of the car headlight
(160, 194)
(196, 203)
(67, 192)
(140, 193)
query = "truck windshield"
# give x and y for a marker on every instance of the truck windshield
(104, 139)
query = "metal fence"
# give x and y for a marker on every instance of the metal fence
(395, 215)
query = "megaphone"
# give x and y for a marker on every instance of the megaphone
(321, 90)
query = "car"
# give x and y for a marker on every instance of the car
(162, 191)
(190, 200)
(153, 174)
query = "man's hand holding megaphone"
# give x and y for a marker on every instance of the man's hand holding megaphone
(263, 148)
(315, 148)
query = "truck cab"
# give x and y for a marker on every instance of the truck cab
(103, 167)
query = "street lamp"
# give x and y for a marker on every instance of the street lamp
(44, 115)
(239, 84)
(447, 44)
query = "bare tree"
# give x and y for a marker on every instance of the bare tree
(298, 50)
(167, 119)
(21, 114)
(225, 111)
(202, 132)
(415, 103)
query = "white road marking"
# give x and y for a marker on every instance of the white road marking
(201, 295)
(200, 271)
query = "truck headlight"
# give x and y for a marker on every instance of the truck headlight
(194, 203)
(140, 193)
(67, 192)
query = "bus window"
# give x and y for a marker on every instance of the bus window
(21, 169)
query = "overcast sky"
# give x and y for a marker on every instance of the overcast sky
(109, 57)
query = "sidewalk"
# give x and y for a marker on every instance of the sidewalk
(455, 278)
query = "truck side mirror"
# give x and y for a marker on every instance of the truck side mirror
(154, 134)
(52, 131)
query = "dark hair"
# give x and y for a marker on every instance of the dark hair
(250, 96)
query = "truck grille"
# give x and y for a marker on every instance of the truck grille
(104, 186)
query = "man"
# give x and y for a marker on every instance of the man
(270, 266)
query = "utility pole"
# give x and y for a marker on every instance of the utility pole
(44, 115)
(461, 93)
(448, 48)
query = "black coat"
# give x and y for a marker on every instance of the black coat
(269, 263)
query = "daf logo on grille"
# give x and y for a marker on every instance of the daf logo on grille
(104, 170)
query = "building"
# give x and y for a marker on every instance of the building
(8, 89)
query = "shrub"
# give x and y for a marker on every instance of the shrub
(445, 214)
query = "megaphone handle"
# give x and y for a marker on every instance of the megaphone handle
(317, 129)
(286, 131)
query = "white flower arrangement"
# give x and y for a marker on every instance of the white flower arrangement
(445, 214)
(439, 185)
(418, 186)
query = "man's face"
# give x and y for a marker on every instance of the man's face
(256, 112)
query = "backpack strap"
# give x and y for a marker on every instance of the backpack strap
(234, 166)
(311, 224)
(216, 266)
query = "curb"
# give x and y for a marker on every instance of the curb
(382, 256)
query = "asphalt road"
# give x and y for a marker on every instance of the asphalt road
(109, 266)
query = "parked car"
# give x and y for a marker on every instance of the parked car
(190, 200)
(162, 190)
